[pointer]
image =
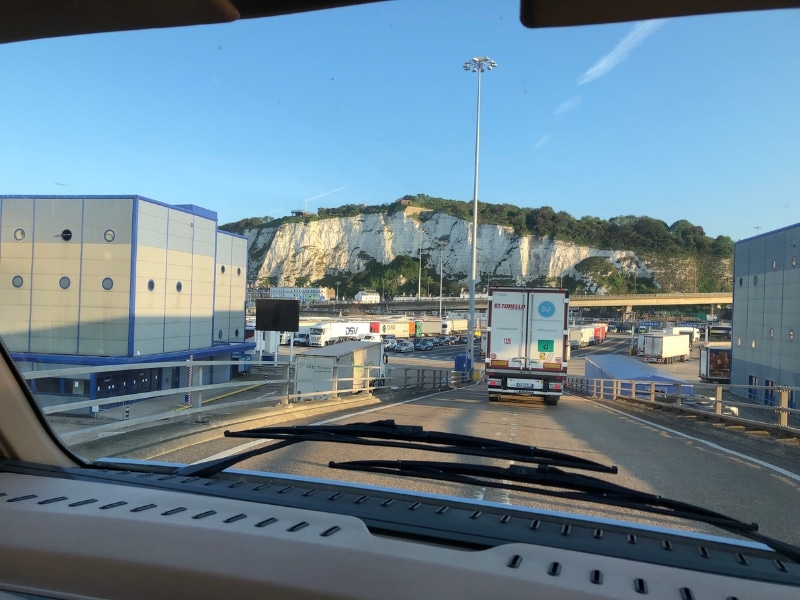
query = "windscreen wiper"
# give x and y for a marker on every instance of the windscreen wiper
(389, 434)
(548, 480)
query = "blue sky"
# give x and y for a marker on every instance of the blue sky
(685, 118)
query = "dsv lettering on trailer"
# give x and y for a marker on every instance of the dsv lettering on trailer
(509, 306)
(351, 330)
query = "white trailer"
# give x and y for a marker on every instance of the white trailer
(692, 333)
(665, 348)
(321, 334)
(423, 328)
(527, 342)
(451, 326)
(575, 338)
(346, 368)
(401, 330)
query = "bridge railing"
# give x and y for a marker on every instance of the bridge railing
(741, 406)
(267, 385)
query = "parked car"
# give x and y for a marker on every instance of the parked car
(300, 339)
(440, 340)
(423, 345)
(389, 344)
(404, 347)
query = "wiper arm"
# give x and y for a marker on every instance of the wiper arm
(544, 480)
(388, 434)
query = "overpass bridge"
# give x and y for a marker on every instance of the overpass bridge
(627, 302)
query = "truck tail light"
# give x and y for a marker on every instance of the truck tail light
(493, 382)
(555, 386)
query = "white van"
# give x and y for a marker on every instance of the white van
(370, 337)
(301, 339)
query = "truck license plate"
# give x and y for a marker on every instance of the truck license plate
(525, 384)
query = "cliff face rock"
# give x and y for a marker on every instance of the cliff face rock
(314, 248)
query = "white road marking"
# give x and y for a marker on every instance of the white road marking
(751, 459)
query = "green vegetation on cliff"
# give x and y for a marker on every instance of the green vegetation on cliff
(638, 234)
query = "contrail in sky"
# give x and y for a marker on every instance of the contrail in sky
(568, 105)
(639, 33)
(328, 193)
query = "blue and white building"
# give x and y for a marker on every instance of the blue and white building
(113, 280)
(765, 338)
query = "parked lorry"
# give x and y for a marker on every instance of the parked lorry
(346, 368)
(581, 336)
(527, 342)
(401, 330)
(599, 332)
(453, 326)
(665, 348)
(715, 362)
(427, 328)
(692, 333)
(574, 338)
(322, 334)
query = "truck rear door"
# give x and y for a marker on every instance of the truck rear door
(508, 319)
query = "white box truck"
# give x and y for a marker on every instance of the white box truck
(451, 326)
(345, 368)
(527, 342)
(665, 348)
(322, 334)
(715, 362)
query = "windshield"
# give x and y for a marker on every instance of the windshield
(157, 186)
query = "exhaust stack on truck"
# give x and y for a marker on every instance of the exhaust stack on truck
(527, 342)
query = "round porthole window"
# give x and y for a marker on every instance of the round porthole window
(774, 264)
(238, 270)
(791, 334)
(179, 287)
(753, 344)
(741, 281)
(219, 335)
(222, 269)
(236, 333)
(19, 234)
(66, 235)
(64, 282)
(755, 279)
(151, 285)
(108, 283)
(109, 235)
(16, 281)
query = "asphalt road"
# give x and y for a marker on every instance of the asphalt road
(718, 471)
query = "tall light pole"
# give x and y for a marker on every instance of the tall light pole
(441, 278)
(419, 278)
(476, 65)
(337, 290)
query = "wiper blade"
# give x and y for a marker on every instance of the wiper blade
(580, 487)
(389, 434)
(544, 480)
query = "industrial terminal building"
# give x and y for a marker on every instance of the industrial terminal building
(113, 280)
(765, 338)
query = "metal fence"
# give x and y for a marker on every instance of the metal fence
(266, 385)
(729, 404)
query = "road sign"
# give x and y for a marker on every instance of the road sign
(650, 323)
